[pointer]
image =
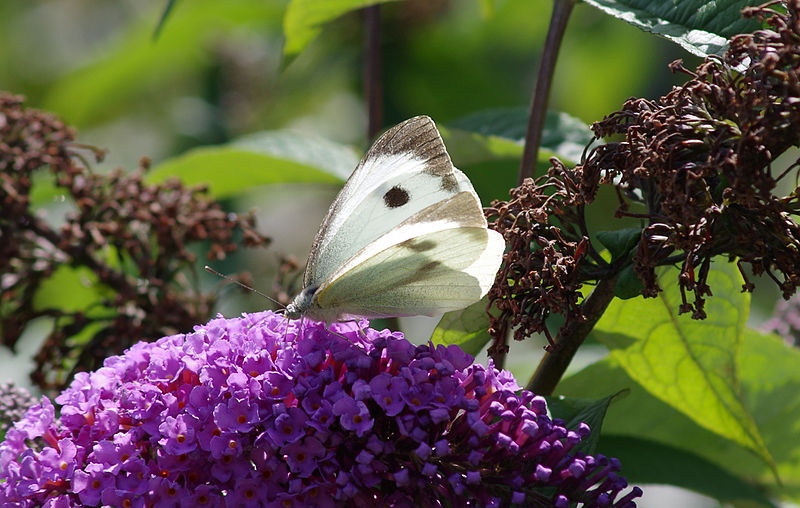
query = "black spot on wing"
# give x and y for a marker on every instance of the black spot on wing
(396, 197)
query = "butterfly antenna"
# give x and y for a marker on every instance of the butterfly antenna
(242, 284)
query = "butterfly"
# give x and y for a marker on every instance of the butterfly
(405, 236)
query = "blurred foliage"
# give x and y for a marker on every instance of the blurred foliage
(698, 26)
(215, 70)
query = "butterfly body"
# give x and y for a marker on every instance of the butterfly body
(405, 236)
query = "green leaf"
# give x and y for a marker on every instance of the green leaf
(467, 328)
(698, 26)
(487, 8)
(304, 18)
(228, 171)
(44, 190)
(770, 375)
(770, 379)
(500, 133)
(689, 364)
(132, 67)
(645, 461)
(69, 289)
(467, 148)
(628, 285)
(334, 158)
(620, 242)
(575, 411)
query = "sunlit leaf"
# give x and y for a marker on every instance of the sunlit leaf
(133, 66)
(701, 27)
(304, 18)
(500, 134)
(334, 158)
(466, 327)
(69, 289)
(769, 374)
(689, 364)
(228, 171)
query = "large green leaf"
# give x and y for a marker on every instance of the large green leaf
(769, 373)
(334, 158)
(260, 158)
(228, 171)
(500, 134)
(134, 67)
(769, 370)
(689, 364)
(466, 327)
(701, 27)
(304, 18)
(645, 461)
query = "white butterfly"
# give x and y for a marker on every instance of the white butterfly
(405, 236)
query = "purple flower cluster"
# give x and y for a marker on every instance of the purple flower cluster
(243, 413)
(14, 403)
(785, 320)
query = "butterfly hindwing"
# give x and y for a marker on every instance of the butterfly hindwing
(405, 171)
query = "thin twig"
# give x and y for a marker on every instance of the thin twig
(556, 361)
(538, 110)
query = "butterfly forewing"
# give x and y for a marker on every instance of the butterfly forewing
(404, 172)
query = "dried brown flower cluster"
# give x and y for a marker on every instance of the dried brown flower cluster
(546, 242)
(132, 240)
(697, 162)
(694, 166)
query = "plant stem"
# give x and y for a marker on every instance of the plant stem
(555, 362)
(541, 93)
(373, 87)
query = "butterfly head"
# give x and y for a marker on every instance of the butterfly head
(301, 303)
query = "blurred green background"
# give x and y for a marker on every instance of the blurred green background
(216, 72)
